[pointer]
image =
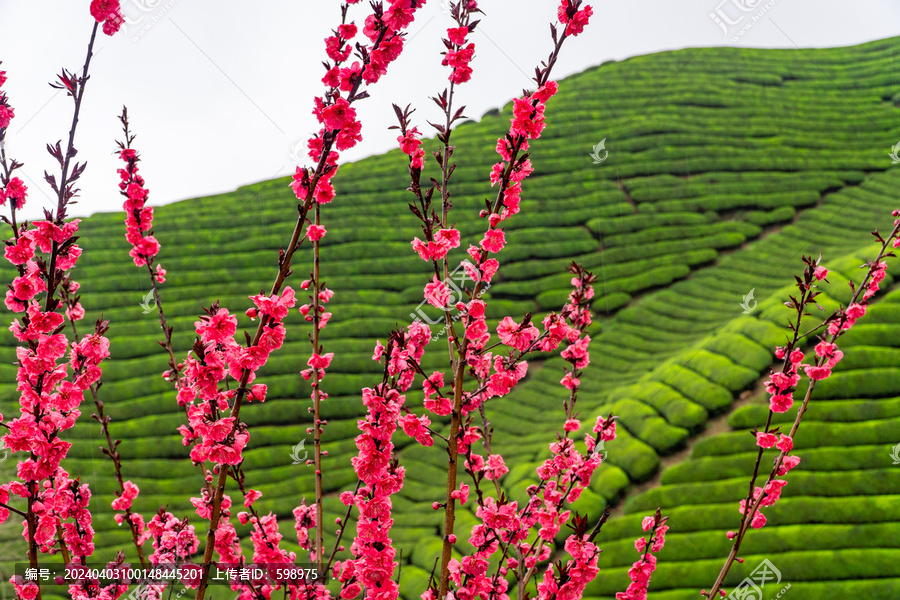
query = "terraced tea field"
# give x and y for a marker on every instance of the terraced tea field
(724, 166)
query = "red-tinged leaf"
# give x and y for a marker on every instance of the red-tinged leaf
(77, 170)
(51, 179)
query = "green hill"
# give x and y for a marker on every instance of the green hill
(725, 165)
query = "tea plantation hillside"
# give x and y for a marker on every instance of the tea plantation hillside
(725, 166)
(833, 534)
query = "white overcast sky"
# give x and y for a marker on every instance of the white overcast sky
(220, 92)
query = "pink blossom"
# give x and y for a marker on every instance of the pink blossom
(437, 293)
(109, 14)
(457, 35)
(410, 141)
(320, 362)
(476, 329)
(785, 443)
(855, 311)
(606, 428)
(339, 115)
(758, 521)
(545, 92)
(495, 468)
(494, 240)
(773, 492)
(379, 351)
(787, 464)
(817, 373)
(642, 569)
(16, 191)
(144, 249)
(417, 428)
(781, 403)
(275, 306)
(216, 328)
(20, 252)
(251, 496)
(6, 115)
(257, 393)
(315, 232)
(527, 122)
(577, 353)
(766, 440)
(511, 334)
(579, 21)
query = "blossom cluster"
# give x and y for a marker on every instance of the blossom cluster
(340, 128)
(502, 523)
(123, 503)
(50, 396)
(562, 477)
(266, 541)
(782, 384)
(215, 357)
(374, 561)
(50, 391)
(109, 14)
(174, 542)
(138, 216)
(12, 189)
(226, 541)
(459, 53)
(173, 539)
(573, 17)
(568, 472)
(6, 111)
(53, 371)
(643, 568)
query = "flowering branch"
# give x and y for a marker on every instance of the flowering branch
(528, 123)
(49, 400)
(643, 568)
(340, 131)
(782, 384)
